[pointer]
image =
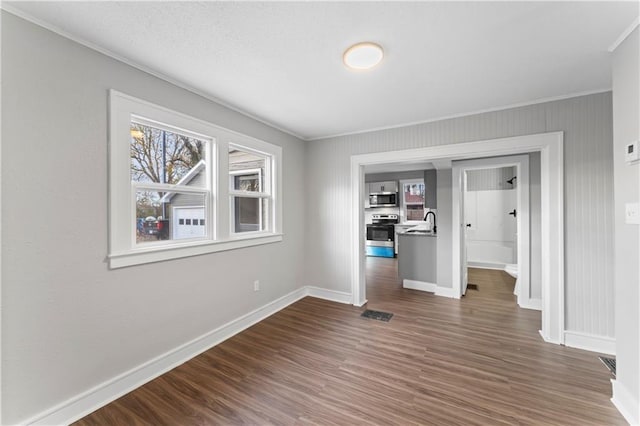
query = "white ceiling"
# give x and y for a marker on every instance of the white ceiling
(282, 62)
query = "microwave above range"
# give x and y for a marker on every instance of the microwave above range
(383, 194)
(383, 200)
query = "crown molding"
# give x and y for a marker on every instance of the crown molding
(39, 22)
(624, 35)
(466, 114)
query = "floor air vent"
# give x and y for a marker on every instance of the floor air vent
(472, 287)
(377, 315)
(610, 363)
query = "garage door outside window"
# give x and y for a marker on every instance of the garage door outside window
(188, 222)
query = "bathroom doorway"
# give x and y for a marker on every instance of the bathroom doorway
(495, 219)
(490, 220)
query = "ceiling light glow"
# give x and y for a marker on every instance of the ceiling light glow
(363, 56)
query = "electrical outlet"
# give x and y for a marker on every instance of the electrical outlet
(632, 213)
(256, 285)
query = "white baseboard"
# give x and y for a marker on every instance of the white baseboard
(430, 287)
(447, 292)
(332, 295)
(626, 404)
(419, 285)
(486, 265)
(535, 304)
(89, 401)
(548, 339)
(590, 342)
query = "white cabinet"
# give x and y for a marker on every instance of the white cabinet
(388, 186)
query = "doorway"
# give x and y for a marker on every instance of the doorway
(550, 147)
(502, 235)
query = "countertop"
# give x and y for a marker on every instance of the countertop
(418, 234)
(419, 231)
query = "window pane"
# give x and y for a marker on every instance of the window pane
(247, 170)
(250, 214)
(165, 157)
(168, 215)
(249, 182)
(414, 193)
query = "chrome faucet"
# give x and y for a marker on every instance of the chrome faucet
(434, 220)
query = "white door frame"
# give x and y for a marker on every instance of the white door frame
(521, 162)
(550, 146)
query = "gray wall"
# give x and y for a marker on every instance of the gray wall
(68, 322)
(586, 123)
(431, 189)
(626, 128)
(445, 230)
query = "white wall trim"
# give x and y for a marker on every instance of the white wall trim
(123, 248)
(550, 146)
(626, 404)
(331, 295)
(535, 304)
(1, 304)
(419, 285)
(487, 265)
(85, 403)
(430, 287)
(465, 114)
(521, 162)
(447, 292)
(590, 342)
(185, 86)
(79, 406)
(148, 70)
(626, 33)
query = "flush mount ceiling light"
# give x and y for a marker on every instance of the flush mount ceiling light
(363, 56)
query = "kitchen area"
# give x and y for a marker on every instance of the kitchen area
(401, 222)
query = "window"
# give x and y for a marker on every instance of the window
(163, 160)
(412, 199)
(250, 189)
(168, 191)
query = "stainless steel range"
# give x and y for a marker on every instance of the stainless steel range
(381, 235)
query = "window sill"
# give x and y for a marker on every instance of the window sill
(159, 254)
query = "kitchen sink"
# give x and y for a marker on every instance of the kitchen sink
(419, 231)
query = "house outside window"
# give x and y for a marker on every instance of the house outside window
(412, 199)
(161, 160)
(250, 189)
(179, 186)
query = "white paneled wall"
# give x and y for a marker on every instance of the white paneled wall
(586, 122)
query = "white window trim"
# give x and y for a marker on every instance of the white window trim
(251, 194)
(122, 251)
(403, 203)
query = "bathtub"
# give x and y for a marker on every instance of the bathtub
(490, 254)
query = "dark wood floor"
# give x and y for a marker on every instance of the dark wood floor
(478, 360)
